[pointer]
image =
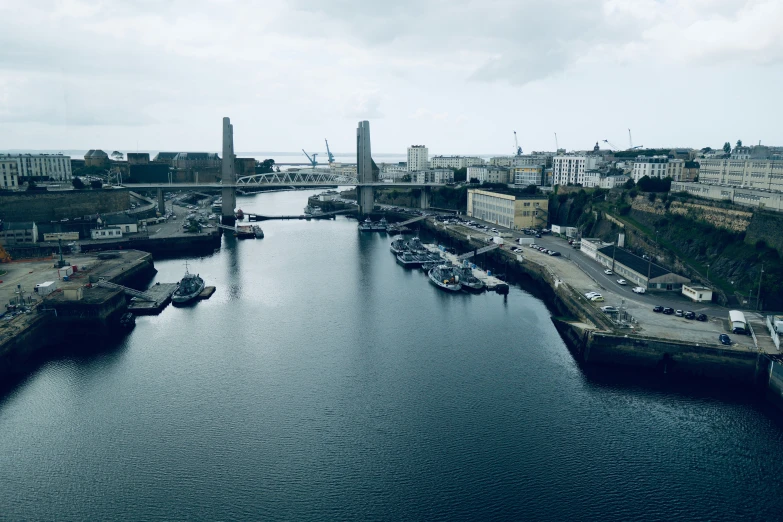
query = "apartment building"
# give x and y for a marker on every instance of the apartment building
(765, 174)
(572, 169)
(455, 162)
(418, 158)
(489, 174)
(41, 167)
(433, 176)
(526, 176)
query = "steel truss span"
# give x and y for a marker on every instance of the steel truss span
(298, 178)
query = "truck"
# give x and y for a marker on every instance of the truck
(46, 288)
(738, 323)
(495, 239)
(525, 240)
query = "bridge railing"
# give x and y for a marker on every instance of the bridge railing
(298, 177)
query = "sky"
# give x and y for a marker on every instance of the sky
(459, 76)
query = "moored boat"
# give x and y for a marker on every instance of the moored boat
(365, 226)
(445, 278)
(408, 259)
(190, 287)
(258, 232)
(244, 232)
(470, 283)
(397, 245)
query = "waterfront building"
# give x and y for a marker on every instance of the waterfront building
(698, 294)
(138, 158)
(529, 175)
(9, 174)
(640, 272)
(18, 234)
(165, 157)
(127, 224)
(764, 174)
(40, 167)
(433, 176)
(106, 233)
(454, 162)
(189, 160)
(506, 210)
(418, 158)
(572, 168)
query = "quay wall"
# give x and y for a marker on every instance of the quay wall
(43, 207)
(161, 247)
(592, 338)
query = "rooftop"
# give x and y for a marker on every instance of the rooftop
(634, 262)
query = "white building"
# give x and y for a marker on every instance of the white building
(489, 174)
(523, 160)
(433, 176)
(418, 158)
(754, 173)
(9, 174)
(454, 162)
(610, 182)
(651, 166)
(393, 171)
(572, 169)
(675, 168)
(41, 167)
(106, 233)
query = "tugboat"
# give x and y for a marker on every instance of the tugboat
(470, 283)
(365, 226)
(380, 226)
(397, 245)
(446, 278)
(258, 232)
(408, 259)
(189, 288)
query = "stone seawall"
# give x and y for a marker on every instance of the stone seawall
(43, 207)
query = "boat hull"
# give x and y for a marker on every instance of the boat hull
(448, 287)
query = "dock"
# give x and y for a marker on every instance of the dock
(491, 282)
(160, 293)
(207, 292)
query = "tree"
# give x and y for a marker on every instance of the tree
(117, 155)
(31, 185)
(727, 147)
(460, 174)
(96, 184)
(707, 149)
(629, 184)
(77, 183)
(739, 143)
(265, 167)
(406, 178)
(474, 180)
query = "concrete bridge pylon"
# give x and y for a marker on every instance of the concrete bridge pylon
(365, 196)
(228, 174)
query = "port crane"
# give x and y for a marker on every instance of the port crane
(328, 152)
(614, 147)
(312, 160)
(517, 148)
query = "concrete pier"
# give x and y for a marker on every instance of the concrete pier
(161, 292)
(161, 202)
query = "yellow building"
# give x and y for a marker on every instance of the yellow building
(506, 210)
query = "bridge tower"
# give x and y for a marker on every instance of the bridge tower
(364, 169)
(228, 174)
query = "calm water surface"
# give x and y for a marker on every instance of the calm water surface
(324, 382)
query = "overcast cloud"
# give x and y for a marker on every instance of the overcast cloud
(459, 75)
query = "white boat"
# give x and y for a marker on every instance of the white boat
(446, 278)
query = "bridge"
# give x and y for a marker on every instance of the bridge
(365, 181)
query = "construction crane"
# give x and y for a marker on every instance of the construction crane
(630, 142)
(614, 147)
(328, 152)
(517, 148)
(313, 161)
(557, 145)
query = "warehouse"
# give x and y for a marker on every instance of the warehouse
(641, 272)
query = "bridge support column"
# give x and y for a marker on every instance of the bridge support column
(366, 198)
(228, 175)
(161, 202)
(424, 198)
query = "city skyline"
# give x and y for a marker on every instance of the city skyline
(160, 75)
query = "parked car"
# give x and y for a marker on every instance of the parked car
(554, 253)
(668, 310)
(597, 298)
(724, 339)
(622, 282)
(678, 313)
(658, 309)
(591, 294)
(609, 309)
(608, 272)
(690, 315)
(639, 289)
(701, 317)
(538, 235)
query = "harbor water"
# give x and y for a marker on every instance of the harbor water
(323, 381)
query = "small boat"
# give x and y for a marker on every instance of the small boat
(470, 283)
(190, 287)
(408, 259)
(244, 232)
(380, 226)
(258, 232)
(445, 278)
(365, 226)
(397, 245)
